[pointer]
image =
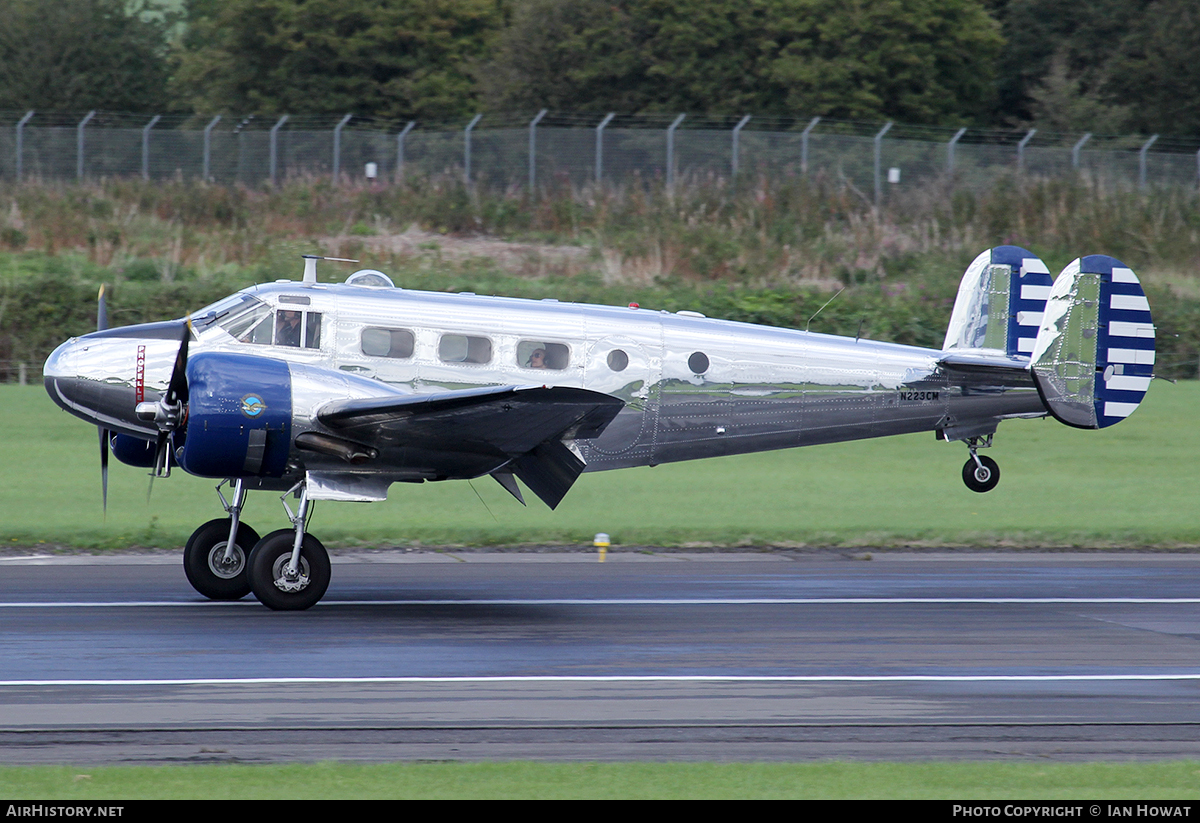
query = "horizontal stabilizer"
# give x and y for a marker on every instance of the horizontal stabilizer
(1094, 355)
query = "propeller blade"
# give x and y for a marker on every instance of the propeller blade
(101, 310)
(101, 325)
(177, 390)
(104, 468)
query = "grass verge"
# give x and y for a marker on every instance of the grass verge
(1133, 485)
(1177, 780)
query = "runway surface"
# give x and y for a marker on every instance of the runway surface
(700, 656)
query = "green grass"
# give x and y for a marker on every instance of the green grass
(1129, 486)
(1177, 780)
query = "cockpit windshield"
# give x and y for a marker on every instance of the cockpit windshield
(235, 314)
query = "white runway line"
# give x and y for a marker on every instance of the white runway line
(626, 601)
(600, 679)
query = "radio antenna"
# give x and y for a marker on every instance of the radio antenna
(818, 311)
(310, 265)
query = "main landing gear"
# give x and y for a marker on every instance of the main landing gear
(981, 474)
(287, 570)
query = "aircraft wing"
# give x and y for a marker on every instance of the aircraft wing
(507, 429)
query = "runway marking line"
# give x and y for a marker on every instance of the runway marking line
(486, 679)
(700, 601)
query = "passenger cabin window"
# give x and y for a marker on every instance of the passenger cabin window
(394, 343)
(537, 354)
(287, 327)
(459, 348)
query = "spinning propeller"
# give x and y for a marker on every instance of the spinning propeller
(170, 411)
(101, 325)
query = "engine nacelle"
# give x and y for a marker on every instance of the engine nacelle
(133, 451)
(239, 416)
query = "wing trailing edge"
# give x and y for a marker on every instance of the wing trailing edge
(513, 430)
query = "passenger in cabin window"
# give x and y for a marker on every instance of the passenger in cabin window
(287, 328)
(537, 360)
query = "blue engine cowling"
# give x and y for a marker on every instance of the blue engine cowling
(133, 451)
(239, 416)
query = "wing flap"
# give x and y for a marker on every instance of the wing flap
(519, 429)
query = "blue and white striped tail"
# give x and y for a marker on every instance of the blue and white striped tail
(1000, 303)
(1094, 354)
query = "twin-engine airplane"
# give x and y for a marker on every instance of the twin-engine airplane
(335, 392)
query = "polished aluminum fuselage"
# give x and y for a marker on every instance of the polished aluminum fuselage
(760, 388)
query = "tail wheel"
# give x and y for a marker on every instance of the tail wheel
(276, 587)
(982, 476)
(205, 564)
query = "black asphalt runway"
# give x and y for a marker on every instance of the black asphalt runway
(646, 656)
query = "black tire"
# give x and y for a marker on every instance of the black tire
(204, 552)
(981, 478)
(266, 565)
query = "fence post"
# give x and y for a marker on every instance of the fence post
(208, 145)
(467, 149)
(878, 159)
(274, 161)
(671, 154)
(21, 141)
(400, 149)
(812, 124)
(533, 149)
(1077, 148)
(600, 145)
(79, 143)
(1021, 150)
(337, 145)
(1142, 161)
(146, 146)
(734, 165)
(950, 150)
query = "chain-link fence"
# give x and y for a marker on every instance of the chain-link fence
(547, 149)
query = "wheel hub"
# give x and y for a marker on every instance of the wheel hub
(226, 569)
(983, 474)
(288, 581)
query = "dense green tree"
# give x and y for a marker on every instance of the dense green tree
(1057, 62)
(927, 61)
(1156, 75)
(83, 54)
(385, 58)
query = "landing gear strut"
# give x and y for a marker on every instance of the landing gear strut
(981, 474)
(289, 569)
(214, 559)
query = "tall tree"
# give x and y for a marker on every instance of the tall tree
(1058, 60)
(83, 54)
(386, 58)
(928, 61)
(1157, 71)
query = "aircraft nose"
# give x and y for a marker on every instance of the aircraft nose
(63, 361)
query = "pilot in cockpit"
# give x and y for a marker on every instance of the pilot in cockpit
(287, 328)
(537, 360)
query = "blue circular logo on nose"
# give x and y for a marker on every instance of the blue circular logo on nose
(253, 406)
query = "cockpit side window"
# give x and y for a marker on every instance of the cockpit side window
(286, 327)
(237, 318)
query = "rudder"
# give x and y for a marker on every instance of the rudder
(1093, 359)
